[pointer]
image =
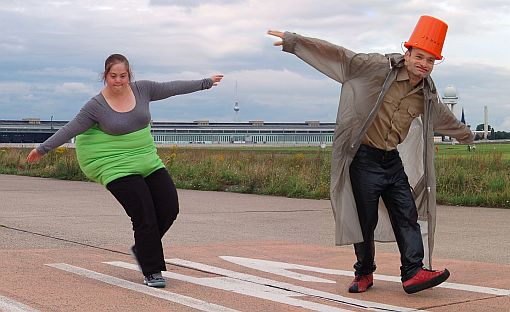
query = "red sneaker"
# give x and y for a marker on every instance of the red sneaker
(361, 283)
(425, 279)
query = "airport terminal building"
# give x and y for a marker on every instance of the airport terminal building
(32, 130)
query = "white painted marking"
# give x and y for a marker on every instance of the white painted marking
(9, 305)
(478, 289)
(374, 306)
(158, 293)
(244, 288)
(282, 268)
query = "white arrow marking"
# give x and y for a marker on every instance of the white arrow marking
(374, 306)
(282, 268)
(158, 293)
(244, 288)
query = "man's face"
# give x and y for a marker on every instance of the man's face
(419, 63)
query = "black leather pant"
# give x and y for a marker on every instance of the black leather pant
(152, 205)
(378, 174)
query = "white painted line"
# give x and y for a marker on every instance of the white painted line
(158, 293)
(374, 306)
(282, 268)
(477, 289)
(244, 288)
(456, 286)
(9, 305)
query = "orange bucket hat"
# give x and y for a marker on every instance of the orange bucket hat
(428, 35)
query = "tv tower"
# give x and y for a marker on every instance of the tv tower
(236, 105)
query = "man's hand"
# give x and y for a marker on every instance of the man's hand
(278, 34)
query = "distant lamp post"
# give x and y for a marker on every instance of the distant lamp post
(51, 122)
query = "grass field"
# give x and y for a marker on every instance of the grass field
(479, 177)
(483, 149)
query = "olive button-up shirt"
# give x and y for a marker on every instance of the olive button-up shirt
(402, 103)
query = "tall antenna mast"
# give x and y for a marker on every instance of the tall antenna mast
(236, 105)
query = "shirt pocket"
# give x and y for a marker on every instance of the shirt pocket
(413, 111)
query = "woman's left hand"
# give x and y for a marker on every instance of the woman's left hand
(216, 79)
(33, 156)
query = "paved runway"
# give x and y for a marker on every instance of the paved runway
(64, 247)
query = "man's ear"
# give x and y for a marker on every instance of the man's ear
(407, 55)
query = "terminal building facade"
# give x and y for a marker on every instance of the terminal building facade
(197, 132)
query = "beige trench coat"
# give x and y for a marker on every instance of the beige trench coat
(365, 79)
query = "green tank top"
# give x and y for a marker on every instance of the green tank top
(104, 157)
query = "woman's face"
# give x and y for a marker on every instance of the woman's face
(117, 78)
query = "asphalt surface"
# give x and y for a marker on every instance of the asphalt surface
(64, 247)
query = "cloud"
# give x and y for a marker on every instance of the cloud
(11, 44)
(14, 87)
(478, 85)
(52, 52)
(505, 124)
(74, 87)
(190, 3)
(63, 72)
(296, 97)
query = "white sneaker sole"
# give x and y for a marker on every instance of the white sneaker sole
(157, 284)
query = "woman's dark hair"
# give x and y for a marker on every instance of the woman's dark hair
(116, 59)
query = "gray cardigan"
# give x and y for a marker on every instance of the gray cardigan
(97, 110)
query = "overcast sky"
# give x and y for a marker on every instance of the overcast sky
(52, 53)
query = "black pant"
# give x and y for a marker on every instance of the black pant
(152, 205)
(378, 174)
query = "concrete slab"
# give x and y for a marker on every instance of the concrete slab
(65, 247)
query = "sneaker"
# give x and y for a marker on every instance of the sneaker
(361, 283)
(155, 280)
(425, 279)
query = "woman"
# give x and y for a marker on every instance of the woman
(114, 147)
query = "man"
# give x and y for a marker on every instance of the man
(387, 102)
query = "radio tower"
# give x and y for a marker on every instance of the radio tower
(236, 105)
